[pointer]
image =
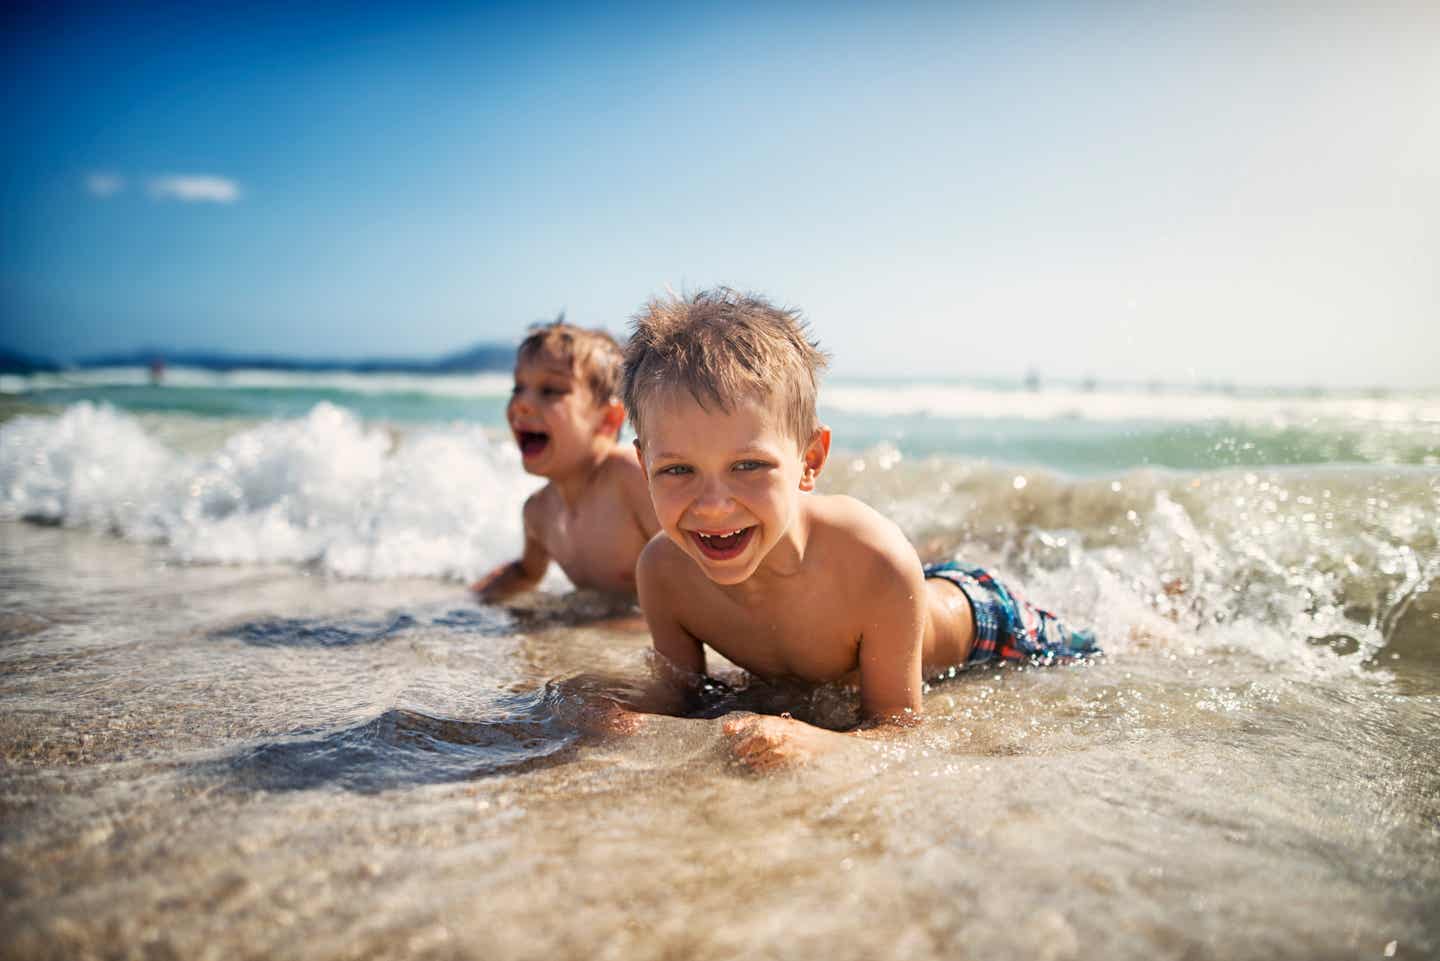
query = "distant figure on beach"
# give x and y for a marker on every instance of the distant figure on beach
(721, 389)
(157, 371)
(565, 414)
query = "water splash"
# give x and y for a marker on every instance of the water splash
(324, 490)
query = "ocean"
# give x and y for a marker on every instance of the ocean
(248, 709)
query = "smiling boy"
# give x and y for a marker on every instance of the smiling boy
(594, 515)
(721, 389)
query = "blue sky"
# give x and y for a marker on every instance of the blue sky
(1185, 192)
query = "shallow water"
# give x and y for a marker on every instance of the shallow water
(208, 761)
(248, 710)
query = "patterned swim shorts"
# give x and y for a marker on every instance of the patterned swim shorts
(1007, 625)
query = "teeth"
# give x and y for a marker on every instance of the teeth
(726, 534)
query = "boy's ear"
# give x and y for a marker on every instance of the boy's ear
(614, 417)
(815, 454)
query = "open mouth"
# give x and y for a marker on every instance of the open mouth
(722, 545)
(531, 442)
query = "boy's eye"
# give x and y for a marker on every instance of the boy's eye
(674, 470)
(751, 465)
(554, 391)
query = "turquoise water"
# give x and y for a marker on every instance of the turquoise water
(248, 708)
(401, 406)
(1072, 430)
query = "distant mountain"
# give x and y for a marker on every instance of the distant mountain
(14, 362)
(481, 357)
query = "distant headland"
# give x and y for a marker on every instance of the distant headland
(14, 362)
(487, 356)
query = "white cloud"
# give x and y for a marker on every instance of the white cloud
(104, 184)
(195, 188)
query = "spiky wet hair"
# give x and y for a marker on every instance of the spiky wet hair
(721, 346)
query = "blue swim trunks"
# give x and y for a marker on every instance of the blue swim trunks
(1007, 625)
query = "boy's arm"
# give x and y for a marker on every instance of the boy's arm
(678, 666)
(891, 650)
(520, 575)
(679, 656)
(891, 655)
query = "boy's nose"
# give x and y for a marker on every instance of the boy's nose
(714, 500)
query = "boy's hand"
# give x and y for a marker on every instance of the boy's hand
(764, 743)
(608, 719)
(504, 581)
(486, 586)
(517, 576)
(585, 703)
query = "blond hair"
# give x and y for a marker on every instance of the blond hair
(592, 355)
(720, 346)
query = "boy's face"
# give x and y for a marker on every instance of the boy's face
(552, 414)
(725, 485)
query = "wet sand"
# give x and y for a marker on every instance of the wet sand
(243, 762)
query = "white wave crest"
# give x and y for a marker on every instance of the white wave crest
(438, 385)
(325, 489)
(1175, 406)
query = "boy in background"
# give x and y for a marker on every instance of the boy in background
(721, 389)
(594, 515)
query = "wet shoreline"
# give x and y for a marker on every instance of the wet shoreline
(239, 762)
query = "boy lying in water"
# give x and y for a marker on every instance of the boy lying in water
(721, 390)
(594, 516)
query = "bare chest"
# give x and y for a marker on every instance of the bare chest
(595, 545)
(804, 635)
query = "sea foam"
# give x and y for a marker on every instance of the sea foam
(325, 490)
(1176, 406)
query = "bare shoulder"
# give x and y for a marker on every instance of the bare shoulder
(661, 563)
(540, 507)
(872, 545)
(622, 472)
(621, 461)
(847, 519)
